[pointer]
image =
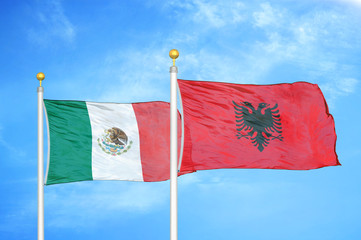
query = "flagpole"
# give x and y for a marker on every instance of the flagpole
(173, 148)
(40, 76)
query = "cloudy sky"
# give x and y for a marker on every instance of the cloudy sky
(117, 51)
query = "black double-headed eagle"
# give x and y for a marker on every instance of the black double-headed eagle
(260, 125)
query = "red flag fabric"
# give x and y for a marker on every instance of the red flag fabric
(280, 126)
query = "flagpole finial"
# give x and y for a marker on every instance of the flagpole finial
(173, 54)
(40, 76)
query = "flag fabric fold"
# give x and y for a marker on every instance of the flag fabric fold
(108, 141)
(280, 126)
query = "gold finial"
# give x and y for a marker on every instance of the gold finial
(173, 54)
(40, 76)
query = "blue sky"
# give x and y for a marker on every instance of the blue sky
(117, 51)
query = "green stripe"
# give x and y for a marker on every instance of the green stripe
(70, 142)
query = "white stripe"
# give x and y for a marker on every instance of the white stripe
(127, 165)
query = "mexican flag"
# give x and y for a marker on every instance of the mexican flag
(108, 141)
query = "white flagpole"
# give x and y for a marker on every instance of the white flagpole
(40, 76)
(173, 148)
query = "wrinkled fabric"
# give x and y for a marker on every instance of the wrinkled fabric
(280, 126)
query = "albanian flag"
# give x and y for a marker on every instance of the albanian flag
(280, 126)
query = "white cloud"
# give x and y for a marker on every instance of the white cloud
(215, 14)
(52, 24)
(306, 41)
(353, 2)
(286, 38)
(347, 85)
(304, 34)
(218, 15)
(122, 75)
(336, 88)
(132, 76)
(244, 197)
(186, 180)
(87, 204)
(311, 41)
(268, 16)
(206, 65)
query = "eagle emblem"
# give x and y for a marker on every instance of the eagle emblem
(114, 141)
(260, 125)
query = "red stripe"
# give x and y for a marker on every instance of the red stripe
(153, 120)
